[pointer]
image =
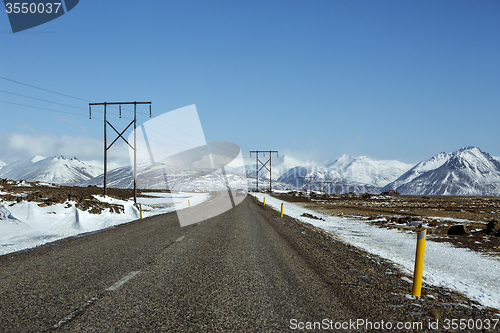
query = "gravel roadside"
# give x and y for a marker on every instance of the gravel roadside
(377, 285)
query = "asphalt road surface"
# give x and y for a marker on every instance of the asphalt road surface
(246, 270)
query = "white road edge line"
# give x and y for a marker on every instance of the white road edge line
(122, 281)
(180, 238)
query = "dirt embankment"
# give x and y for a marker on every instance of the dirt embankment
(49, 194)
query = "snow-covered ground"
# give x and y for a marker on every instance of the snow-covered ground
(25, 225)
(161, 203)
(469, 272)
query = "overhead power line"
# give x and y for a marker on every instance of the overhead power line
(43, 100)
(48, 90)
(81, 108)
(51, 91)
(37, 107)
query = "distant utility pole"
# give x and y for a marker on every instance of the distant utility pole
(307, 183)
(341, 186)
(264, 165)
(321, 186)
(327, 187)
(106, 147)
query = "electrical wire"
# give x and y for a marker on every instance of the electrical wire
(45, 109)
(51, 91)
(43, 100)
(76, 107)
(54, 92)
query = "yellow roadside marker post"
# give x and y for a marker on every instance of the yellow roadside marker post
(419, 263)
(281, 210)
(264, 201)
(189, 204)
(139, 208)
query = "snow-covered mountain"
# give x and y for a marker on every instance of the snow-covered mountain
(121, 177)
(351, 174)
(467, 171)
(280, 165)
(176, 179)
(365, 170)
(358, 174)
(419, 169)
(339, 183)
(59, 170)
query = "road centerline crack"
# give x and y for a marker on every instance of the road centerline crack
(76, 312)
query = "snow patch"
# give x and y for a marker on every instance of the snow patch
(26, 225)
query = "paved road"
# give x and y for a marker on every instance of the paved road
(232, 272)
(245, 270)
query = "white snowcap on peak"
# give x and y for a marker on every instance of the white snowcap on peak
(37, 158)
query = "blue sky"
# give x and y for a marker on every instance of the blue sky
(314, 79)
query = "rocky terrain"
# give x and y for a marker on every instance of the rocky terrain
(49, 194)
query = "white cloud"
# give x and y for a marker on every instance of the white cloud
(17, 146)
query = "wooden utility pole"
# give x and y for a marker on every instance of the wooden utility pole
(264, 165)
(105, 150)
(120, 135)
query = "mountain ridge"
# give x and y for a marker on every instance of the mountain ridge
(467, 171)
(59, 170)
